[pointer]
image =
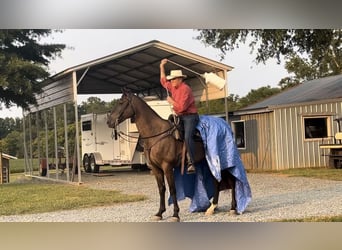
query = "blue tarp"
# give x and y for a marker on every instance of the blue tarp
(221, 153)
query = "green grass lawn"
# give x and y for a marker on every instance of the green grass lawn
(319, 173)
(38, 197)
(337, 218)
(18, 166)
(25, 195)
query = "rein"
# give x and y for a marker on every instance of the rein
(122, 135)
(169, 131)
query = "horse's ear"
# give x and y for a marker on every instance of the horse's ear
(125, 91)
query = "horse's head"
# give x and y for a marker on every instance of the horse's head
(121, 111)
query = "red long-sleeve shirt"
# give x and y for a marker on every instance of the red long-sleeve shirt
(183, 97)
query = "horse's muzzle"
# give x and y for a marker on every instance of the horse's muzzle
(111, 123)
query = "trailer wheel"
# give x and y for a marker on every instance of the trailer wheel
(94, 168)
(140, 167)
(86, 164)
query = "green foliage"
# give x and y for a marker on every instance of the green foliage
(94, 105)
(215, 106)
(257, 95)
(12, 144)
(9, 124)
(308, 53)
(23, 65)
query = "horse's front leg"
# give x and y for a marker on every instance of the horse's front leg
(172, 189)
(159, 175)
(212, 208)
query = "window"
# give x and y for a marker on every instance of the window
(86, 126)
(315, 127)
(238, 128)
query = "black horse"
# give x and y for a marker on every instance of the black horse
(162, 151)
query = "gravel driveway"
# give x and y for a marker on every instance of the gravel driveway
(274, 197)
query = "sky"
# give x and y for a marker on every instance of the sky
(84, 45)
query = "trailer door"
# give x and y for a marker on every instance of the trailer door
(88, 137)
(105, 144)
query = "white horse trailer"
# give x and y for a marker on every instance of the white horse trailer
(99, 146)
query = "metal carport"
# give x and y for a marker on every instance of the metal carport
(137, 69)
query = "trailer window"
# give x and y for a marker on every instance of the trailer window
(238, 128)
(315, 127)
(86, 125)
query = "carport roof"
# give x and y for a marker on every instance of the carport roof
(136, 68)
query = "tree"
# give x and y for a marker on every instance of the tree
(93, 105)
(13, 144)
(8, 125)
(308, 53)
(256, 95)
(23, 65)
(233, 102)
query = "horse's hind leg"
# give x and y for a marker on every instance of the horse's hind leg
(233, 205)
(159, 175)
(172, 189)
(213, 206)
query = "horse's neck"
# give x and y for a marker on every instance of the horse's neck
(148, 122)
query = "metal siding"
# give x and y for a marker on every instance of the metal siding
(296, 135)
(293, 151)
(259, 144)
(275, 140)
(59, 92)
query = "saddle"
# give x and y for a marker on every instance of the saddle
(178, 134)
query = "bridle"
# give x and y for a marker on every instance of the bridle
(124, 136)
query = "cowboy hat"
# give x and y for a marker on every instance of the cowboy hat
(175, 74)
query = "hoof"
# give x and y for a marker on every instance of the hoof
(234, 212)
(174, 219)
(211, 210)
(156, 218)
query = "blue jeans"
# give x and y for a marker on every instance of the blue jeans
(190, 122)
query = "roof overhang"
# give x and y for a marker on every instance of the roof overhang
(137, 69)
(252, 111)
(7, 156)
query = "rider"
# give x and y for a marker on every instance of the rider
(183, 103)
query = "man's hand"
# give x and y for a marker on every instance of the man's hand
(162, 69)
(163, 62)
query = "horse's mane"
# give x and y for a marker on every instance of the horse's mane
(144, 103)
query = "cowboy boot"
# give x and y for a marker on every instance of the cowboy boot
(191, 167)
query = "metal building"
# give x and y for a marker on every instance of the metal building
(285, 130)
(5, 167)
(135, 68)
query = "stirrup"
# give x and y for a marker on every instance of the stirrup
(191, 169)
